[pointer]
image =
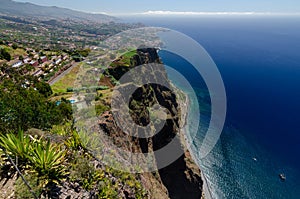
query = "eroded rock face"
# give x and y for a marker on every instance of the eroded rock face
(181, 179)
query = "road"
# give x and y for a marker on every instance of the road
(63, 74)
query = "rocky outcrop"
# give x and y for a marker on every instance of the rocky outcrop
(180, 179)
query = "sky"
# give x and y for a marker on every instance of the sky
(120, 7)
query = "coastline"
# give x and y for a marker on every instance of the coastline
(206, 190)
(186, 142)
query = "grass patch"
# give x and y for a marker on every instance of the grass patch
(61, 95)
(18, 52)
(100, 108)
(66, 81)
(129, 54)
(106, 96)
(125, 59)
(14, 53)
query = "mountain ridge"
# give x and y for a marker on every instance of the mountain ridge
(30, 10)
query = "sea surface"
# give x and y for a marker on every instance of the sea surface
(259, 61)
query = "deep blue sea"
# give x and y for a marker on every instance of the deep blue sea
(259, 60)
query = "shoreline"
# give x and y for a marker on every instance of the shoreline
(184, 105)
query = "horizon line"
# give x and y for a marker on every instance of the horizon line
(191, 13)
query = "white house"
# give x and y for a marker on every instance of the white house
(17, 64)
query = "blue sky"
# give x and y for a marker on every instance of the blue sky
(140, 6)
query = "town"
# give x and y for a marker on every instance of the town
(43, 64)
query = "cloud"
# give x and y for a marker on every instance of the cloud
(104, 13)
(160, 12)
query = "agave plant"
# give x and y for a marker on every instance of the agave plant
(74, 141)
(62, 130)
(18, 146)
(47, 159)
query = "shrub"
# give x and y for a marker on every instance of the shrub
(44, 157)
(84, 172)
(70, 89)
(97, 98)
(47, 159)
(14, 46)
(18, 146)
(22, 191)
(100, 108)
(107, 189)
(74, 141)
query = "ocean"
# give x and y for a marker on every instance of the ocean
(259, 61)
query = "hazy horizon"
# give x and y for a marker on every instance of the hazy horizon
(168, 7)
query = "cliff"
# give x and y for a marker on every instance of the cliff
(80, 172)
(182, 177)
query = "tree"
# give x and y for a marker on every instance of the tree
(28, 67)
(65, 109)
(44, 88)
(77, 57)
(26, 107)
(14, 46)
(4, 54)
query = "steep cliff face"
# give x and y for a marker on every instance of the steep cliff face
(180, 179)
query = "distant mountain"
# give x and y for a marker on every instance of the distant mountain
(9, 7)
